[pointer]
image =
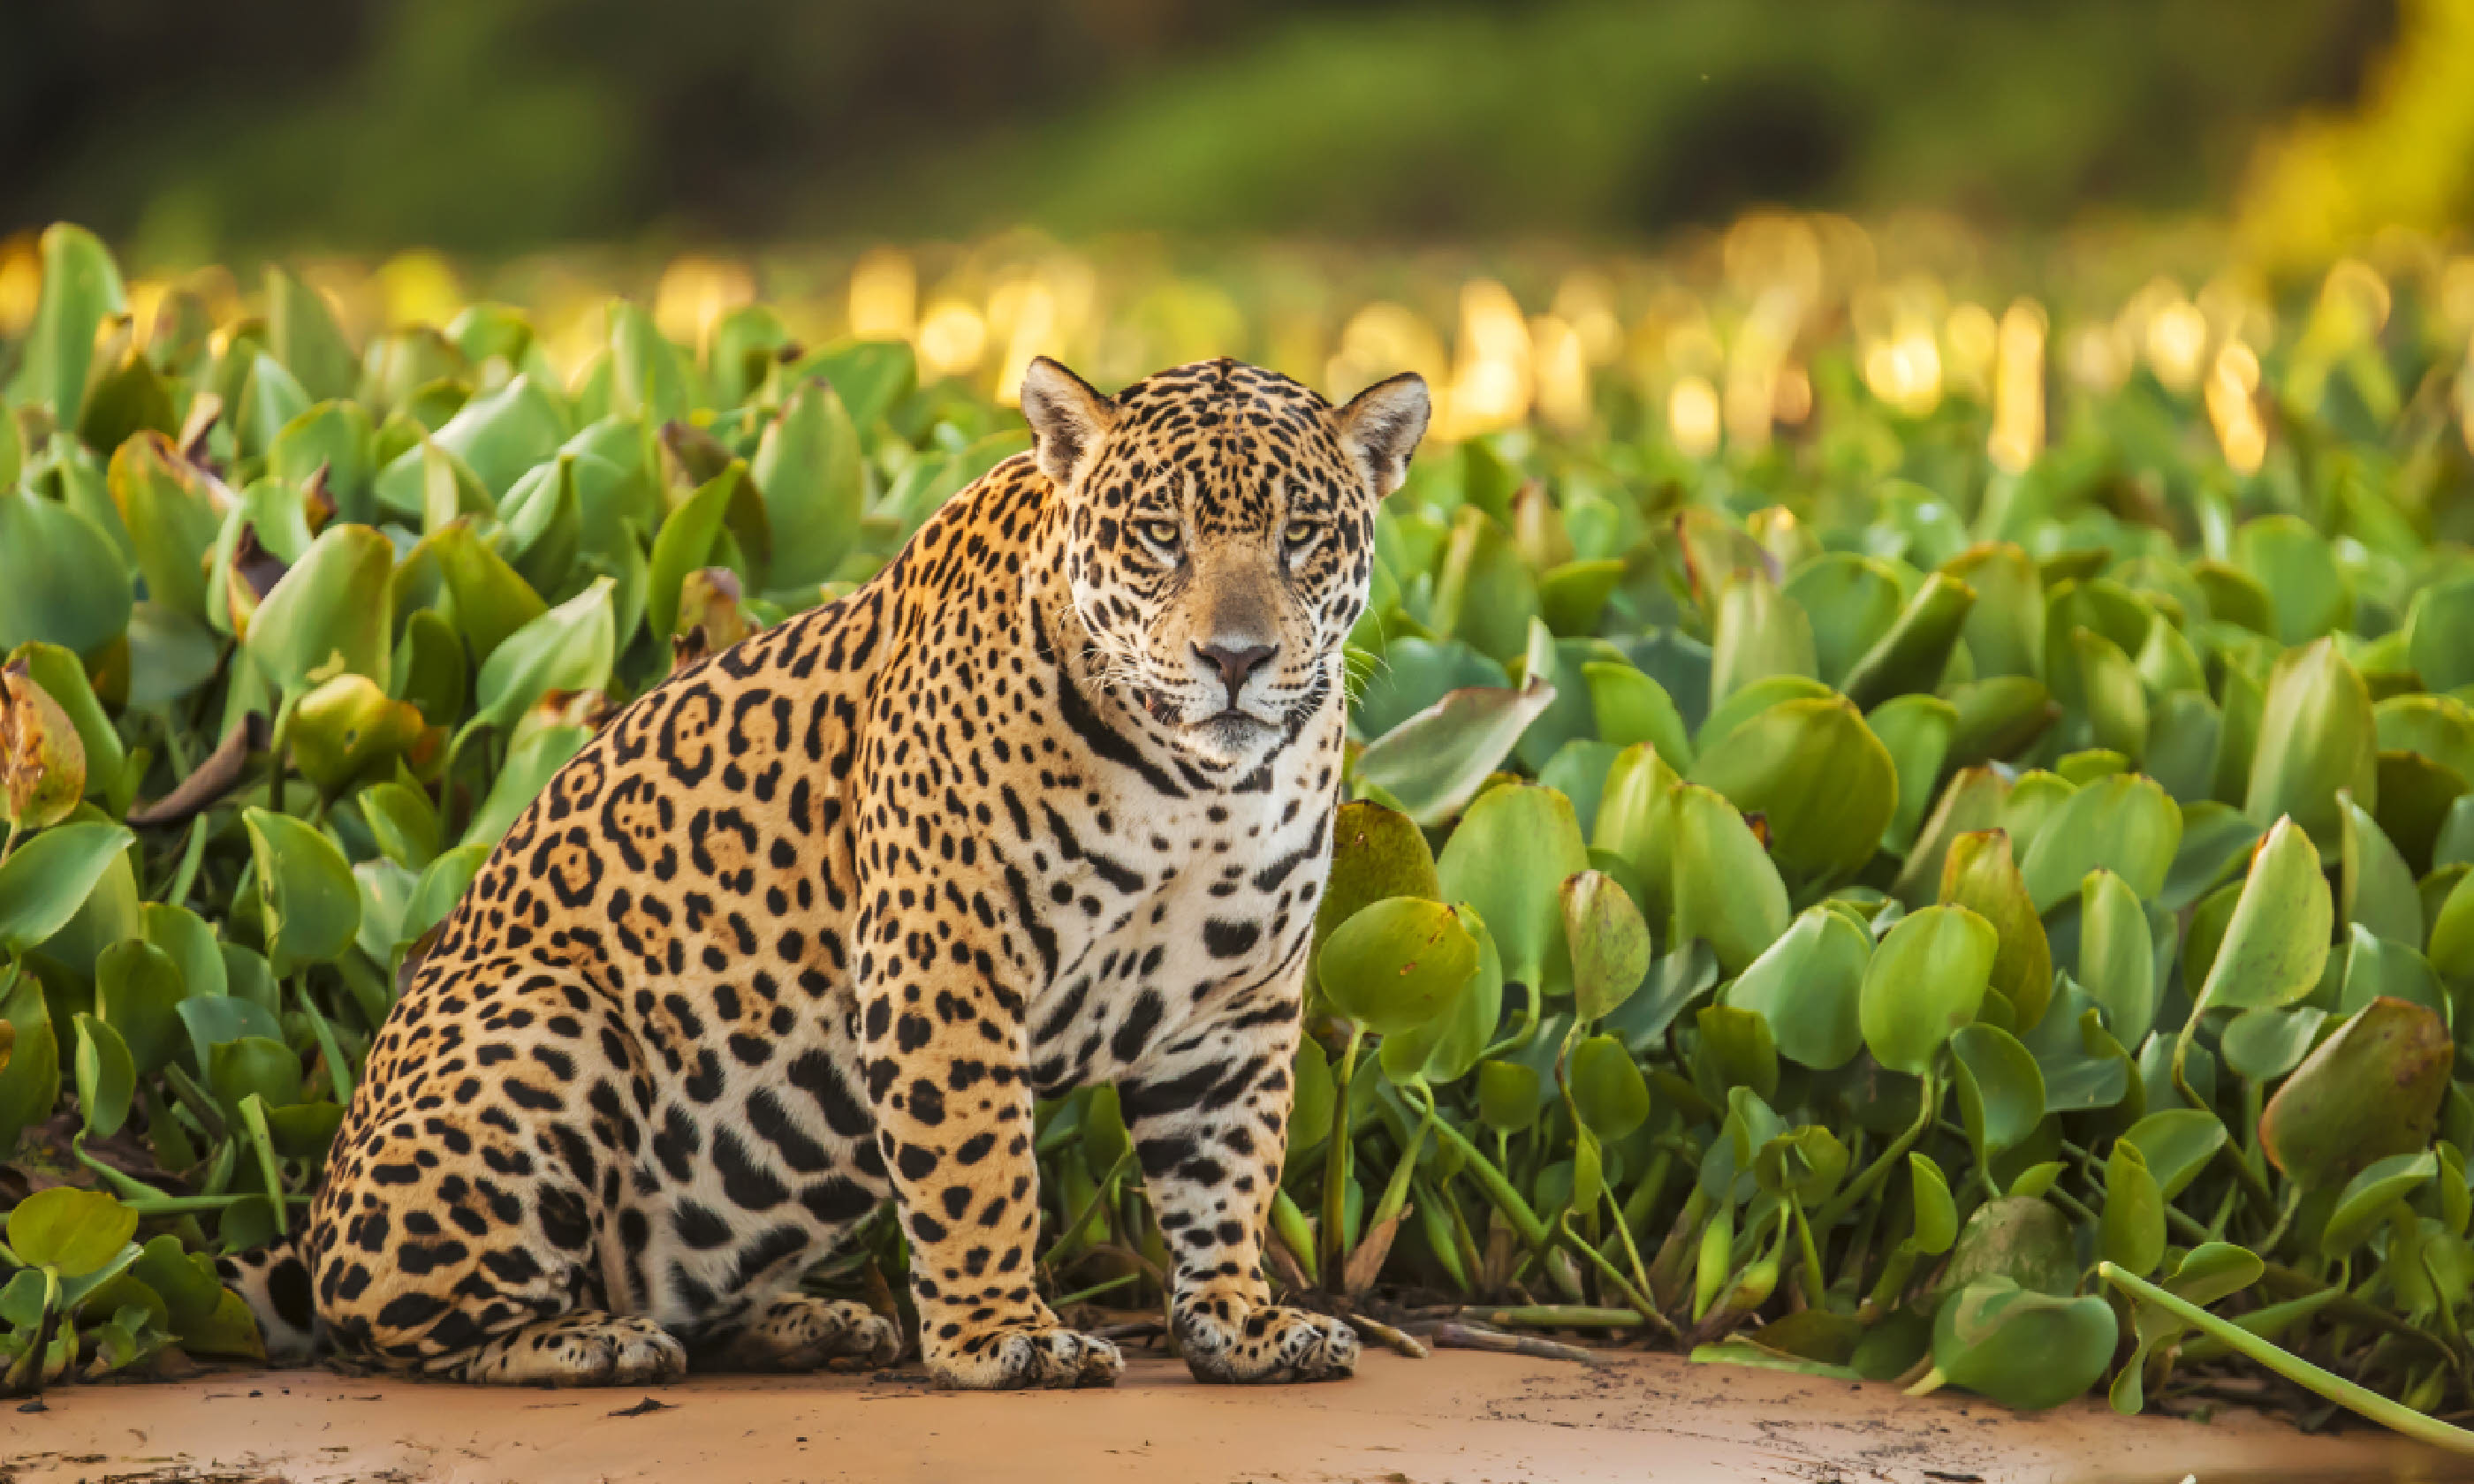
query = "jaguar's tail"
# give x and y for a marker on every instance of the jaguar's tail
(273, 1280)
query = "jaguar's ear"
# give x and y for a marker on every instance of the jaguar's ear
(1380, 428)
(1067, 418)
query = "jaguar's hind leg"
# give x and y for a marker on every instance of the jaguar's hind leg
(799, 1331)
(586, 1348)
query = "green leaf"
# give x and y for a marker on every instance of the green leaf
(2296, 570)
(403, 822)
(1507, 1095)
(346, 729)
(2276, 943)
(2004, 631)
(442, 884)
(1924, 982)
(2439, 634)
(47, 878)
(2316, 736)
(814, 483)
(71, 1231)
(1978, 875)
(1727, 893)
(1973, 801)
(2371, 1089)
(1851, 600)
(302, 332)
(1446, 1047)
(1631, 708)
(330, 613)
(2376, 888)
(543, 531)
(2131, 1232)
(171, 519)
(2364, 1205)
(686, 542)
(252, 1065)
(1608, 1089)
(1935, 1220)
(1916, 731)
(1484, 592)
(2125, 823)
(213, 1019)
(2024, 1349)
(1913, 654)
(81, 287)
(496, 435)
(2263, 1044)
(2118, 955)
(306, 890)
(107, 1077)
(1508, 860)
(571, 647)
(1758, 633)
(1396, 964)
(1807, 985)
(138, 989)
(2177, 1144)
(62, 580)
(1820, 777)
(492, 601)
(2000, 1090)
(1433, 763)
(2115, 702)
(647, 376)
(1607, 941)
(43, 759)
(531, 762)
(1736, 1051)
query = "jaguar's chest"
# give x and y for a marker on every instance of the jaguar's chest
(1168, 915)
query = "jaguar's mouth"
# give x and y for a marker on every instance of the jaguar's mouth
(1228, 721)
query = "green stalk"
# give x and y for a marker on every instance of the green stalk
(1082, 1217)
(1555, 1316)
(1498, 1190)
(2293, 1368)
(274, 753)
(1333, 1238)
(252, 1113)
(1082, 1294)
(186, 874)
(1815, 1290)
(1295, 1232)
(339, 1071)
(1865, 1184)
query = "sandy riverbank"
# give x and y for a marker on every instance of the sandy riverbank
(1460, 1416)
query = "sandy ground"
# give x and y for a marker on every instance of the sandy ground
(1465, 1418)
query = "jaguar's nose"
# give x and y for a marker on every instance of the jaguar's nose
(1235, 665)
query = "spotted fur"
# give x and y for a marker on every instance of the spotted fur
(812, 923)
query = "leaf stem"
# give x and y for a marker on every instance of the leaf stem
(2293, 1368)
(1864, 1184)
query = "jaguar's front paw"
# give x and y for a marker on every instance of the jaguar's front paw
(803, 1333)
(1230, 1341)
(1018, 1357)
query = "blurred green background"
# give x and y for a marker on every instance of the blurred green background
(190, 132)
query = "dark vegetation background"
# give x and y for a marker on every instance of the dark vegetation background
(488, 126)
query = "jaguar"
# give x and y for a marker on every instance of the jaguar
(815, 921)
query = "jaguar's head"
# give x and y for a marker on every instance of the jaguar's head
(1221, 536)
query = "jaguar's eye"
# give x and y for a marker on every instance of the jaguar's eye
(1159, 533)
(1299, 535)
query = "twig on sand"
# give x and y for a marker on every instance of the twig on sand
(1452, 1336)
(1385, 1335)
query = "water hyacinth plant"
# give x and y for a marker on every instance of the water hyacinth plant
(1869, 902)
